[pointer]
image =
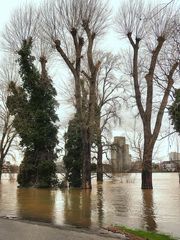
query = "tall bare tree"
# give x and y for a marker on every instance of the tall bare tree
(78, 24)
(151, 31)
(108, 103)
(22, 25)
(8, 72)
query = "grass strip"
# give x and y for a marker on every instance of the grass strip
(145, 234)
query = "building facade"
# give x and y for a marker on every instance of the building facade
(174, 156)
(120, 157)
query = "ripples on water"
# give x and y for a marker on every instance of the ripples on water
(119, 200)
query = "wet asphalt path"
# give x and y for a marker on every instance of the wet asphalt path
(18, 230)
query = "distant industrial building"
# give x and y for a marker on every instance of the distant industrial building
(174, 156)
(120, 157)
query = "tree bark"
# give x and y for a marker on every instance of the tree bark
(85, 132)
(1, 165)
(146, 177)
(86, 154)
(146, 182)
(99, 163)
(1, 162)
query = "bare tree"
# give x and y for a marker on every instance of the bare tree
(108, 103)
(154, 59)
(78, 24)
(22, 25)
(136, 144)
(8, 72)
(136, 140)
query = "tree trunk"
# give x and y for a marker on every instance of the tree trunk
(147, 168)
(1, 166)
(0, 174)
(146, 179)
(99, 163)
(86, 155)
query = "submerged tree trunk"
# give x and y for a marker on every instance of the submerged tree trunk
(147, 168)
(99, 161)
(86, 155)
(1, 165)
(146, 177)
(2, 159)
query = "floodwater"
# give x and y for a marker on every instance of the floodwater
(119, 200)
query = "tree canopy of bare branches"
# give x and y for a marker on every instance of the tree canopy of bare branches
(22, 25)
(8, 72)
(78, 24)
(150, 31)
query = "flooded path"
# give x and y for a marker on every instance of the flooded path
(119, 200)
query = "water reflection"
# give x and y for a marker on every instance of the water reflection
(119, 198)
(8, 203)
(149, 219)
(115, 201)
(77, 207)
(35, 204)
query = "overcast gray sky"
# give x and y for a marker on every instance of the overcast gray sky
(110, 42)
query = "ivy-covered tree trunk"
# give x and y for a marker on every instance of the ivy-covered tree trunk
(86, 171)
(73, 153)
(174, 111)
(33, 106)
(99, 144)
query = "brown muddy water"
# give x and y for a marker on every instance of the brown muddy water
(118, 200)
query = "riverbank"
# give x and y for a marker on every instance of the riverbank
(15, 229)
(137, 234)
